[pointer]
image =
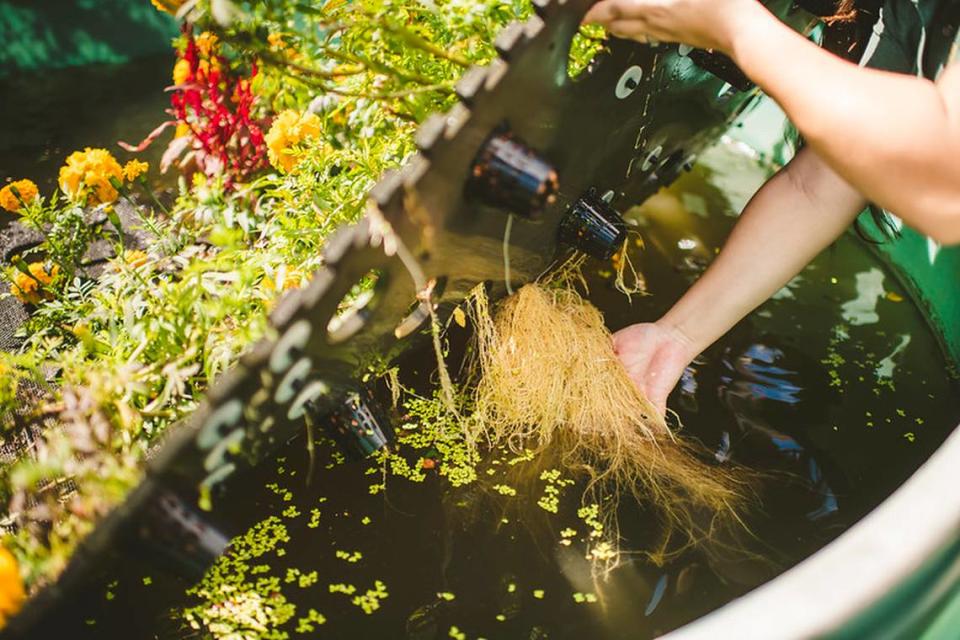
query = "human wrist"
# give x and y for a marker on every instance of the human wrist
(747, 30)
(684, 345)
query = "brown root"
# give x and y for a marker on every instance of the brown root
(546, 376)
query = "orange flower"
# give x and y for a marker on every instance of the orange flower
(86, 178)
(16, 193)
(275, 40)
(206, 44)
(135, 258)
(167, 6)
(278, 44)
(12, 593)
(28, 288)
(134, 169)
(290, 129)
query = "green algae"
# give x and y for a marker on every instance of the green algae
(234, 603)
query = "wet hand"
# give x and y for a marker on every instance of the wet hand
(705, 24)
(655, 357)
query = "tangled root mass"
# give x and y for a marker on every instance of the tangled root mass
(546, 376)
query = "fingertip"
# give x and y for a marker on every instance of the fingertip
(593, 14)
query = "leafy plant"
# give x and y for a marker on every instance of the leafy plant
(135, 349)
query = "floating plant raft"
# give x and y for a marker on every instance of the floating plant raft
(147, 336)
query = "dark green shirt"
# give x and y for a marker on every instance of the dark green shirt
(919, 37)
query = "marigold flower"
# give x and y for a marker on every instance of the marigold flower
(13, 195)
(12, 593)
(289, 129)
(134, 169)
(86, 176)
(206, 44)
(168, 6)
(279, 45)
(27, 288)
(135, 258)
(181, 71)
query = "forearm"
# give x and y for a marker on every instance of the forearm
(894, 137)
(788, 222)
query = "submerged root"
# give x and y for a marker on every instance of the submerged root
(546, 376)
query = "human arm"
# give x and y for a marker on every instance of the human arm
(791, 219)
(895, 138)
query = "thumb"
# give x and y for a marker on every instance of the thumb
(603, 12)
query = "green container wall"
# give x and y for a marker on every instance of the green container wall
(46, 34)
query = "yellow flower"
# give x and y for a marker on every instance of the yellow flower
(134, 169)
(169, 6)
(206, 44)
(183, 129)
(86, 176)
(286, 277)
(39, 271)
(275, 41)
(26, 190)
(181, 71)
(279, 45)
(26, 288)
(289, 129)
(12, 593)
(135, 258)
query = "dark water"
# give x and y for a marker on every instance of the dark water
(836, 388)
(47, 116)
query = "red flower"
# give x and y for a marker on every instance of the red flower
(216, 106)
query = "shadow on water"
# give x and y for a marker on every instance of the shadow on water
(834, 390)
(47, 116)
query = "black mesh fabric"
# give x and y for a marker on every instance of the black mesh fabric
(16, 239)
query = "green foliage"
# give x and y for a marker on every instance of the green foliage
(128, 354)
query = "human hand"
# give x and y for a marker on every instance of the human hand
(655, 357)
(705, 24)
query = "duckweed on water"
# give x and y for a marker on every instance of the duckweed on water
(370, 601)
(504, 490)
(303, 580)
(308, 624)
(430, 432)
(550, 500)
(349, 556)
(345, 589)
(233, 602)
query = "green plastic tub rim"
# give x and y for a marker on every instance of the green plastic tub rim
(38, 35)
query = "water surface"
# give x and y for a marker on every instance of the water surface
(835, 389)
